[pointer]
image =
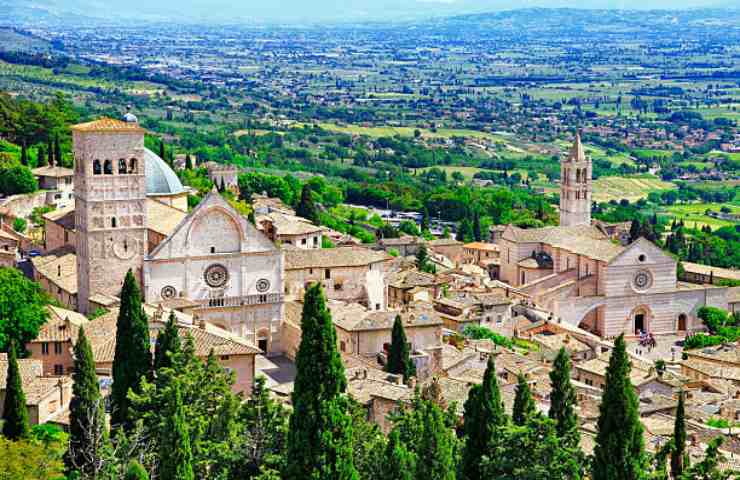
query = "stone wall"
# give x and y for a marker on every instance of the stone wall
(23, 205)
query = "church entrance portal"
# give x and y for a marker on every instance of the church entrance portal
(682, 322)
(639, 323)
(262, 344)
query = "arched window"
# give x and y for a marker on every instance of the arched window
(132, 166)
(121, 166)
(578, 175)
(108, 167)
(96, 167)
(113, 222)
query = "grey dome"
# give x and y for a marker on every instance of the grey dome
(160, 179)
(130, 118)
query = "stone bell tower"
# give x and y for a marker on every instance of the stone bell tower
(575, 187)
(110, 205)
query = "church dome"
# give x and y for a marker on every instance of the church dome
(160, 178)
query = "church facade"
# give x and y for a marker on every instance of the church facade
(226, 271)
(586, 279)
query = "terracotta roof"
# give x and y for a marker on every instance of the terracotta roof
(443, 242)
(724, 273)
(62, 325)
(49, 171)
(581, 239)
(489, 247)
(64, 217)
(35, 385)
(108, 125)
(332, 257)
(352, 318)
(410, 279)
(289, 224)
(60, 270)
(162, 218)
(556, 341)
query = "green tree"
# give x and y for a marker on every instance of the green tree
(135, 472)
(306, 207)
(188, 162)
(477, 233)
(132, 360)
(15, 412)
(400, 463)
(17, 179)
(22, 309)
(465, 231)
(49, 153)
(41, 157)
(563, 401)
(175, 456)
(524, 406)
(399, 359)
(320, 434)
(29, 460)
(58, 159)
(168, 344)
(88, 437)
(484, 416)
(422, 257)
(436, 447)
(679, 439)
(619, 453)
(20, 225)
(24, 155)
(710, 467)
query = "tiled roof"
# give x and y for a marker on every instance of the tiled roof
(581, 239)
(352, 318)
(60, 270)
(332, 257)
(64, 217)
(489, 247)
(733, 294)
(725, 273)
(108, 125)
(289, 224)
(162, 218)
(35, 386)
(444, 242)
(410, 279)
(49, 171)
(61, 326)
(559, 340)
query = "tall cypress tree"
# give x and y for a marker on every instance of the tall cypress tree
(188, 162)
(619, 453)
(24, 154)
(436, 449)
(132, 359)
(320, 435)
(399, 360)
(484, 415)
(15, 413)
(87, 433)
(563, 401)
(477, 234)
(524, 406)
(679, 439)
(306, 207)
(50, 153)
(175, 455)
(168, 344)
(40, 157)
(400, 463)
(57, 152)
(162, 153)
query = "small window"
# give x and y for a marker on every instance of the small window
(58, 369)
(303, 241)
(113, 222)
(377, 306)
(213, 249)
(122, 169)
(327, 273)
(343, 346)
(97, 170)
(45, 348)
(57, 348)
(108, 167)
(132, 166)
(642, 258)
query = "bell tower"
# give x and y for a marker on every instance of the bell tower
(110, 205)
(575, 187)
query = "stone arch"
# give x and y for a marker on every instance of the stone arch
(588, 319)
(108, 167)
(228, 229)
(639, 320)
(97, 168)
(132, 165)
(122, 170)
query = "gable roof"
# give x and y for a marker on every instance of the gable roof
(584, 240)
(655, 253)
(349, 256)
(106, 124)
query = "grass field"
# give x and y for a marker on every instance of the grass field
(389, 131)
(630, 188)
(469, 172)
(695, 213)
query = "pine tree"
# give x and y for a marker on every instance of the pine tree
(484, 415)
(679, 439)
(619, 453)
(425, 220)
(135, 472)
(162, 152)
(524, 406)
(50, 153)
(399, 360)
(264, 430)
(563, 401)
(175, 456)
(168, 344)
(306, 207)
(57, 152)
(15, 413)
(635, 229)
(132, 359)
(465, 231)
(436, 448)
(320, 434)
(24, 154)
(422, 257)
(87, 424)
(477, 234)
(400, 463)
(188, 162)
(40, 157)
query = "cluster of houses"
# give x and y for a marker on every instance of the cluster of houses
(237, 288)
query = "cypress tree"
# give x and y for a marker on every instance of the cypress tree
(50, 153)
(524, 406)
(132, 359)
(175, 456)
(563, 400)
(436, 449)
(135, 472)
(87, 434)
(400, 464)
(477, 234)
(320, 434)
(57, 152)
(306, 207)
(188, 162)
(619, 453)
(422, 257)
(425, 220)
(679, 439)
(635, 229)
(40, 157)
(15, 413)
(162, 150)
(168, 344)
(484, 415)
(399, 360)
(24, 154)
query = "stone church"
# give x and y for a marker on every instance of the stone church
(586, 279)
(214, 261)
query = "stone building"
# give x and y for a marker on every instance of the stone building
(54, 345)
(8, 249)
(291, 230)
(59, 184)
(575, 187)
(59, 229)
(223, 175)
(463, 308)
(351, 274)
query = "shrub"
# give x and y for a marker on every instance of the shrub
(476, 332)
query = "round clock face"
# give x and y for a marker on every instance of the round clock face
(643, 280)
(263, 285)
(216, 276)
(169, 292)
(125, 249)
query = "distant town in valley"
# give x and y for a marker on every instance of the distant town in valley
(483, 244)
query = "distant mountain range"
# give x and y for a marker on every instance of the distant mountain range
(301, 11)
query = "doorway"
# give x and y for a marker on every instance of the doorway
(262, 344)
(682, 322)
(639, 323)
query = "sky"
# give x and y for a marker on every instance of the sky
(334, 10)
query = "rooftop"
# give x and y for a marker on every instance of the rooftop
(350, 256)
(60, 269)
(53, 171)
(724, 273)
(160, 178)
(108, 125)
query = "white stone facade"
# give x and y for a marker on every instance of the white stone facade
(575, 187)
